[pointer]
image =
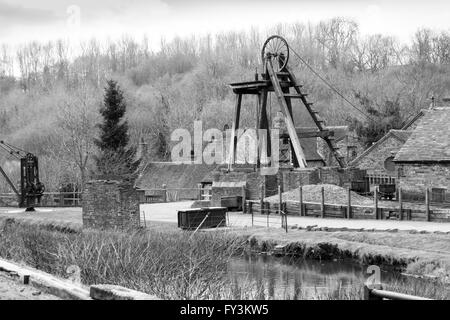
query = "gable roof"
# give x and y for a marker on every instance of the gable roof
(400, 135)
(407, 124)
(430, 141)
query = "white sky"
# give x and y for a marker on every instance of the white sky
(25, 20)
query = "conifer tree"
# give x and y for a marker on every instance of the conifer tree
(115, 157)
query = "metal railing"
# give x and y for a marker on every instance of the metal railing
(48, 199)
(377, 293)
(378, 178)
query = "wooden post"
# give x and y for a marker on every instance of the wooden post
(252, 213)
(427, 203)
(301, 201)
(61, 199)
(199, 195)
(261, 201)
(349, 204)
(285, 217)
(244, 200)
(322, 206)
(280, 205)
(375, 195)
(235, 127)
(400, 201)
(164, 192)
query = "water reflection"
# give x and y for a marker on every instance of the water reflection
(268, 277)
(282, 278)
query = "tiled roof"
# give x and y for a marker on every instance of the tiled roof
(411, 121)
(174, 175)
(402, 135)
(430, 141)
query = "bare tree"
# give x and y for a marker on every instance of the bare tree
(76, 130)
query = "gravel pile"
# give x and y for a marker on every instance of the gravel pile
(333, 195)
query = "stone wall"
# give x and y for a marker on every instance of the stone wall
(419, 177)
(374, 161)
(287, 178)
(349, 147)
(110, 204)
(294, 179)
(324, 175)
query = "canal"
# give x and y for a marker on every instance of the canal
(264, 276)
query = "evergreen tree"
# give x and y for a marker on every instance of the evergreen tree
(116, 158)
(382, 119)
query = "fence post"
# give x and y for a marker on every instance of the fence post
(61, 199)
(261, 201)
(322, 204)
(199, 195)
(285, 217)
(164, 187)
(427, 203)
(349, 204)
(251, 211)
(280, 205)
(375, 194)
(400, 200)
(301, 201)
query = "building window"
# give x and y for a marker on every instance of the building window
(389, 164)
(438, 194)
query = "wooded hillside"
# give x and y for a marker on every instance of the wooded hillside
(50, 93)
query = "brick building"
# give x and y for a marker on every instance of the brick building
(378, 159)
(424, 160)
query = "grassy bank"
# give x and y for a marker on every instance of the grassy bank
(169, 264)
(418, 254)
(178, 265)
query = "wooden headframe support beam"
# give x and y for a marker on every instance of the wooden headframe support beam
(287, 115)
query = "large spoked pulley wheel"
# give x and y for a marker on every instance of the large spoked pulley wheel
(276, 49)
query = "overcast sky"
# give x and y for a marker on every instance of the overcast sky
(24, 20)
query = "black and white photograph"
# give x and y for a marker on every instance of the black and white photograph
(216, 158)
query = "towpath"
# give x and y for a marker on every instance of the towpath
(167, 212)
(11, 289)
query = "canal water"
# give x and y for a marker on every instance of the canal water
(288, 278)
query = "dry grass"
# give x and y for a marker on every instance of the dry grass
(171, 265)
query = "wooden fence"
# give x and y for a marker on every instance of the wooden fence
(49, 199)
(349, 211)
